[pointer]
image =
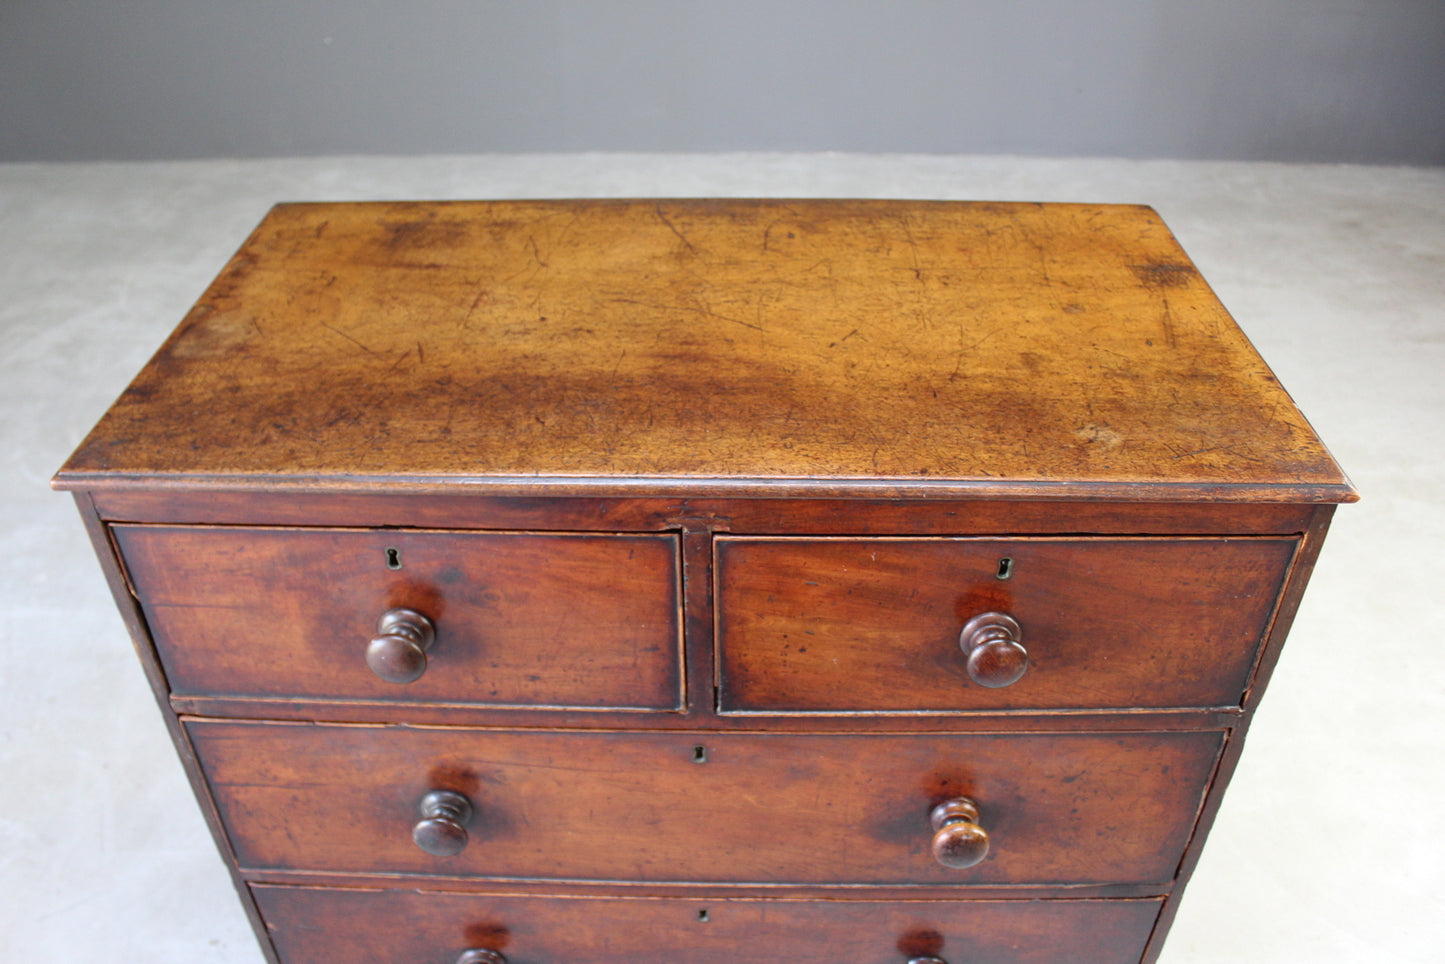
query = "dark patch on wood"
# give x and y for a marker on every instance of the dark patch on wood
(1164, 275)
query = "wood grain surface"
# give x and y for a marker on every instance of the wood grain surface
(873, 624)
(1066, 808)
(324, 926)
(725, 346)
(521, 619)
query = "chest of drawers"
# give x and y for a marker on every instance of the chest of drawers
(719, 581)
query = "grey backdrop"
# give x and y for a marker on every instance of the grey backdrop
(1323, 80)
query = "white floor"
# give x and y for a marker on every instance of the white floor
(1329, 847)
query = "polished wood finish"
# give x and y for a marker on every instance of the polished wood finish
(521, 619)
(809, 625)
(741, 347)
(323, 926)
(810, 581)
(638, 806)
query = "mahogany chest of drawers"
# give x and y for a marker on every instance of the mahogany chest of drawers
(841, 582)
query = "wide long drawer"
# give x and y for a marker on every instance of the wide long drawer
(518, 619)
(323, 926)
(878, 625)
(651, 806)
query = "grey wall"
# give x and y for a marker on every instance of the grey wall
(1330, 80)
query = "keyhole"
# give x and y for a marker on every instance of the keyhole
(393, 558)
(1005, 568)
(699, 755)
(702, 915)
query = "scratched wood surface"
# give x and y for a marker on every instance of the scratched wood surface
(751, 346)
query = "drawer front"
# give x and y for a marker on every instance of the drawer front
(520, 619)
(873, 625)
(324, 926)
(680, 806)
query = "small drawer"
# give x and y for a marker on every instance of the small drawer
(663, 806)
(324, 926)
(892, 625)
(516, 619)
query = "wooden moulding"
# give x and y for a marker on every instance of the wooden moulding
(889, 516)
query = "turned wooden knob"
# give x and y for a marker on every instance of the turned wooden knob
(958, 840)
(442, 830)
(479, 956)
(398, 652)
(926, 960)
(995, 656)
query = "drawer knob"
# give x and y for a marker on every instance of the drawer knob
(926, 960)
(995, 656)
(479, 956)
(398, 652)
(442, 830)
(958, 840)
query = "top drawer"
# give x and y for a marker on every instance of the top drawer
(520, 619)
(874, 625)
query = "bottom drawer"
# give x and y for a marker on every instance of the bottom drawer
(323, 926)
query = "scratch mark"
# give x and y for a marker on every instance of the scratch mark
(1038, 247)
(482, 295)
(1232, 450)
(963, 351)
(913, 249)
(673, 228)
(399, 359)
(348, 338)
(693, 308)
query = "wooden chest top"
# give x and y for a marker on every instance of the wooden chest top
(738, 347)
